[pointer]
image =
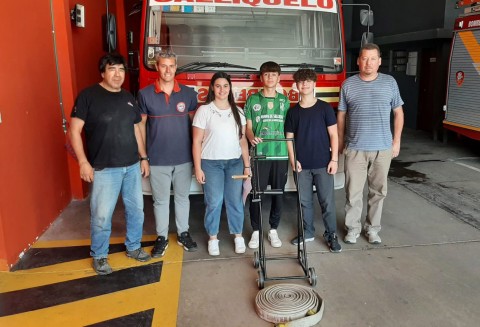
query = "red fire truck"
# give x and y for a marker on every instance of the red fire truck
(237, 36)
(462, 110)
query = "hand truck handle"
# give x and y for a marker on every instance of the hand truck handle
(278, 140)
(241, 176)
(275, 191)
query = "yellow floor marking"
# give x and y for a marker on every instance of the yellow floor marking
(23, 279)
(162, 296)
(67, 243)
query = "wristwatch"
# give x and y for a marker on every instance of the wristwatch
(144, 158)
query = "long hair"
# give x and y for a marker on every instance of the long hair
(231, 99)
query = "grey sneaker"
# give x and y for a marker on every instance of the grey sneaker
(139, 255)
(296, 240)
(332, 242)
(373, 237)
(101, 266)
(351, 237)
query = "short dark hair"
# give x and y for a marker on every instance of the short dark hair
(270, 67)
(370, 46)
(111, 59)
(304, 74)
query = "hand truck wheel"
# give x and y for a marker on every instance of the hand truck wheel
(256, 259)
(261, 279)
(312, 276)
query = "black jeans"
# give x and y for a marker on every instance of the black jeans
(273, 173)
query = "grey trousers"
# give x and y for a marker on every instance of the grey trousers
(161, 179)
(324, 184)
(362, 166)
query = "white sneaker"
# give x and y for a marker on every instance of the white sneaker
(239, 244)
(213, 248)
(373, 237)
(351, 237)
(273, 238)
(253, 244)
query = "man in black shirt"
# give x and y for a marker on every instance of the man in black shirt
(116, 159)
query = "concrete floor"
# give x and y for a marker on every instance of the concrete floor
(425, 273)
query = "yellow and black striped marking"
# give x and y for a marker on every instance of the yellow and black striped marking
(50, 287)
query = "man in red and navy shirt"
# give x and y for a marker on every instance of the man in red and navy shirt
(167, 109)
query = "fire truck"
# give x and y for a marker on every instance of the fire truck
(237, 36)
(462, 109)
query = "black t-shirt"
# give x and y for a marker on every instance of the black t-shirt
(109, 126)
(309, 126)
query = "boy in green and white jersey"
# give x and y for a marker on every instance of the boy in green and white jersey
(265, 112)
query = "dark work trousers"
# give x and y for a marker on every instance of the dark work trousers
(273, 173)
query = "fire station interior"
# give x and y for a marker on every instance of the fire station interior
(424, 273)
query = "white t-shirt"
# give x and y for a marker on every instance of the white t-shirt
(220, 141)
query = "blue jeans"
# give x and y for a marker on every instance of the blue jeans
(108, 183)
(219, 186)
(324, 184)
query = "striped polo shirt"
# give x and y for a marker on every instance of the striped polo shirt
(368, 105)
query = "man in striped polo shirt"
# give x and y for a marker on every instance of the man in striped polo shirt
(365, 138)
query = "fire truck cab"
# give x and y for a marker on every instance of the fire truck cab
(237, 36)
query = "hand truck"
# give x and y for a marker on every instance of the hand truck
(259, 257)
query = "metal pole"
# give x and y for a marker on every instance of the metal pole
(59, 86)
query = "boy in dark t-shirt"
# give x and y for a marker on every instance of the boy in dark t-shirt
(313, 125)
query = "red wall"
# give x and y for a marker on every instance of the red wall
(88, 42)
(33, 169)
(37, 177)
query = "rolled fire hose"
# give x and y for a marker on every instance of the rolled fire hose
(289, 305)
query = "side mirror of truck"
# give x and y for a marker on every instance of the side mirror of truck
(367, 37)
(366, 17)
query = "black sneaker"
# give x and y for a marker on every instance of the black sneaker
(138, 255)
(161, 244)
(332, 242)
(101, 266)
(296, 240)
(185, 240)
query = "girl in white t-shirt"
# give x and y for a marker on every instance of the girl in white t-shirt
(220, 151)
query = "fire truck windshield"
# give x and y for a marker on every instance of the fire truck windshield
(244, 37)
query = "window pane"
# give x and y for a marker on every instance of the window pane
(245, 36)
